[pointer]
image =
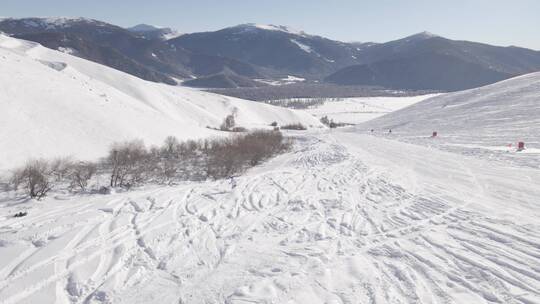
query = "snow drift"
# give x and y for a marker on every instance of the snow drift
(54, 104)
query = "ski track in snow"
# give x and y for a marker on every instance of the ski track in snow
(344, 218)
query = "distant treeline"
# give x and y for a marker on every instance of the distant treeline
(311, 90)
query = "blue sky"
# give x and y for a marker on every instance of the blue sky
(499, 22)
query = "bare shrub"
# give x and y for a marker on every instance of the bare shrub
(128, 163)
(36, 177)
(294, 126)
(170, 146)
(239, 129)
(233, 155)
(60, 168)
(80, 175)
(331, 123)
(325, 120)
(228, 123)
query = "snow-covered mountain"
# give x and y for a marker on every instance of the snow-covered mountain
(273, 52)
(55, 104)
(417, 62)
(134, 53)
(276, 50)
(154, 32)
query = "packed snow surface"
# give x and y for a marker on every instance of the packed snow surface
(361, 109)
(54, 104)
(344, 218)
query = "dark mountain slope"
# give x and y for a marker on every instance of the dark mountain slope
(422, 72)
(279, 50)
(150, 59)
(426, 61)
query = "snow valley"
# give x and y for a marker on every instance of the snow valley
(407, 197)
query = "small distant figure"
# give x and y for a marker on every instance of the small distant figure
(521, 146)
(232, 182)
(434, 134)
(372, 130)
(390, 131)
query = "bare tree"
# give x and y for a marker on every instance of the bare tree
(127, 161)
(228, 123)
(170, 146)
(35, 177)
(81, 174)
(60, 168)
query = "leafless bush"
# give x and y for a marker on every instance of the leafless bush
(325, 120)
(294, 126)
(60, 168)
(171, 145)
(232, 155)
(228, 123)
(80, 175)
(128, 162)
(332, 124)
(36, 177)
(239, 129)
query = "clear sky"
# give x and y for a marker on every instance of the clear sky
(499, 22)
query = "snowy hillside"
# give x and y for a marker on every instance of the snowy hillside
(54, 104)
(483, 121)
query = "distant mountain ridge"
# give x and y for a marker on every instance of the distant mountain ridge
(428, 61)
(279, 51)
(239, 55)
(149, 58)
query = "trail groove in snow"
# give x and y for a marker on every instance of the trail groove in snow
(344, 218)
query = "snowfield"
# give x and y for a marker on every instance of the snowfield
(344, 218)
(54, 104)
(486, 122)
(361, 109)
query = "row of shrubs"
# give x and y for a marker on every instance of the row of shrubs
(132, 163)
(294, 126)
(331, 123)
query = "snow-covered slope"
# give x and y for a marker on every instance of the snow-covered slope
(345, 218)
(54, 104)
(357, 110)
(485, 120)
